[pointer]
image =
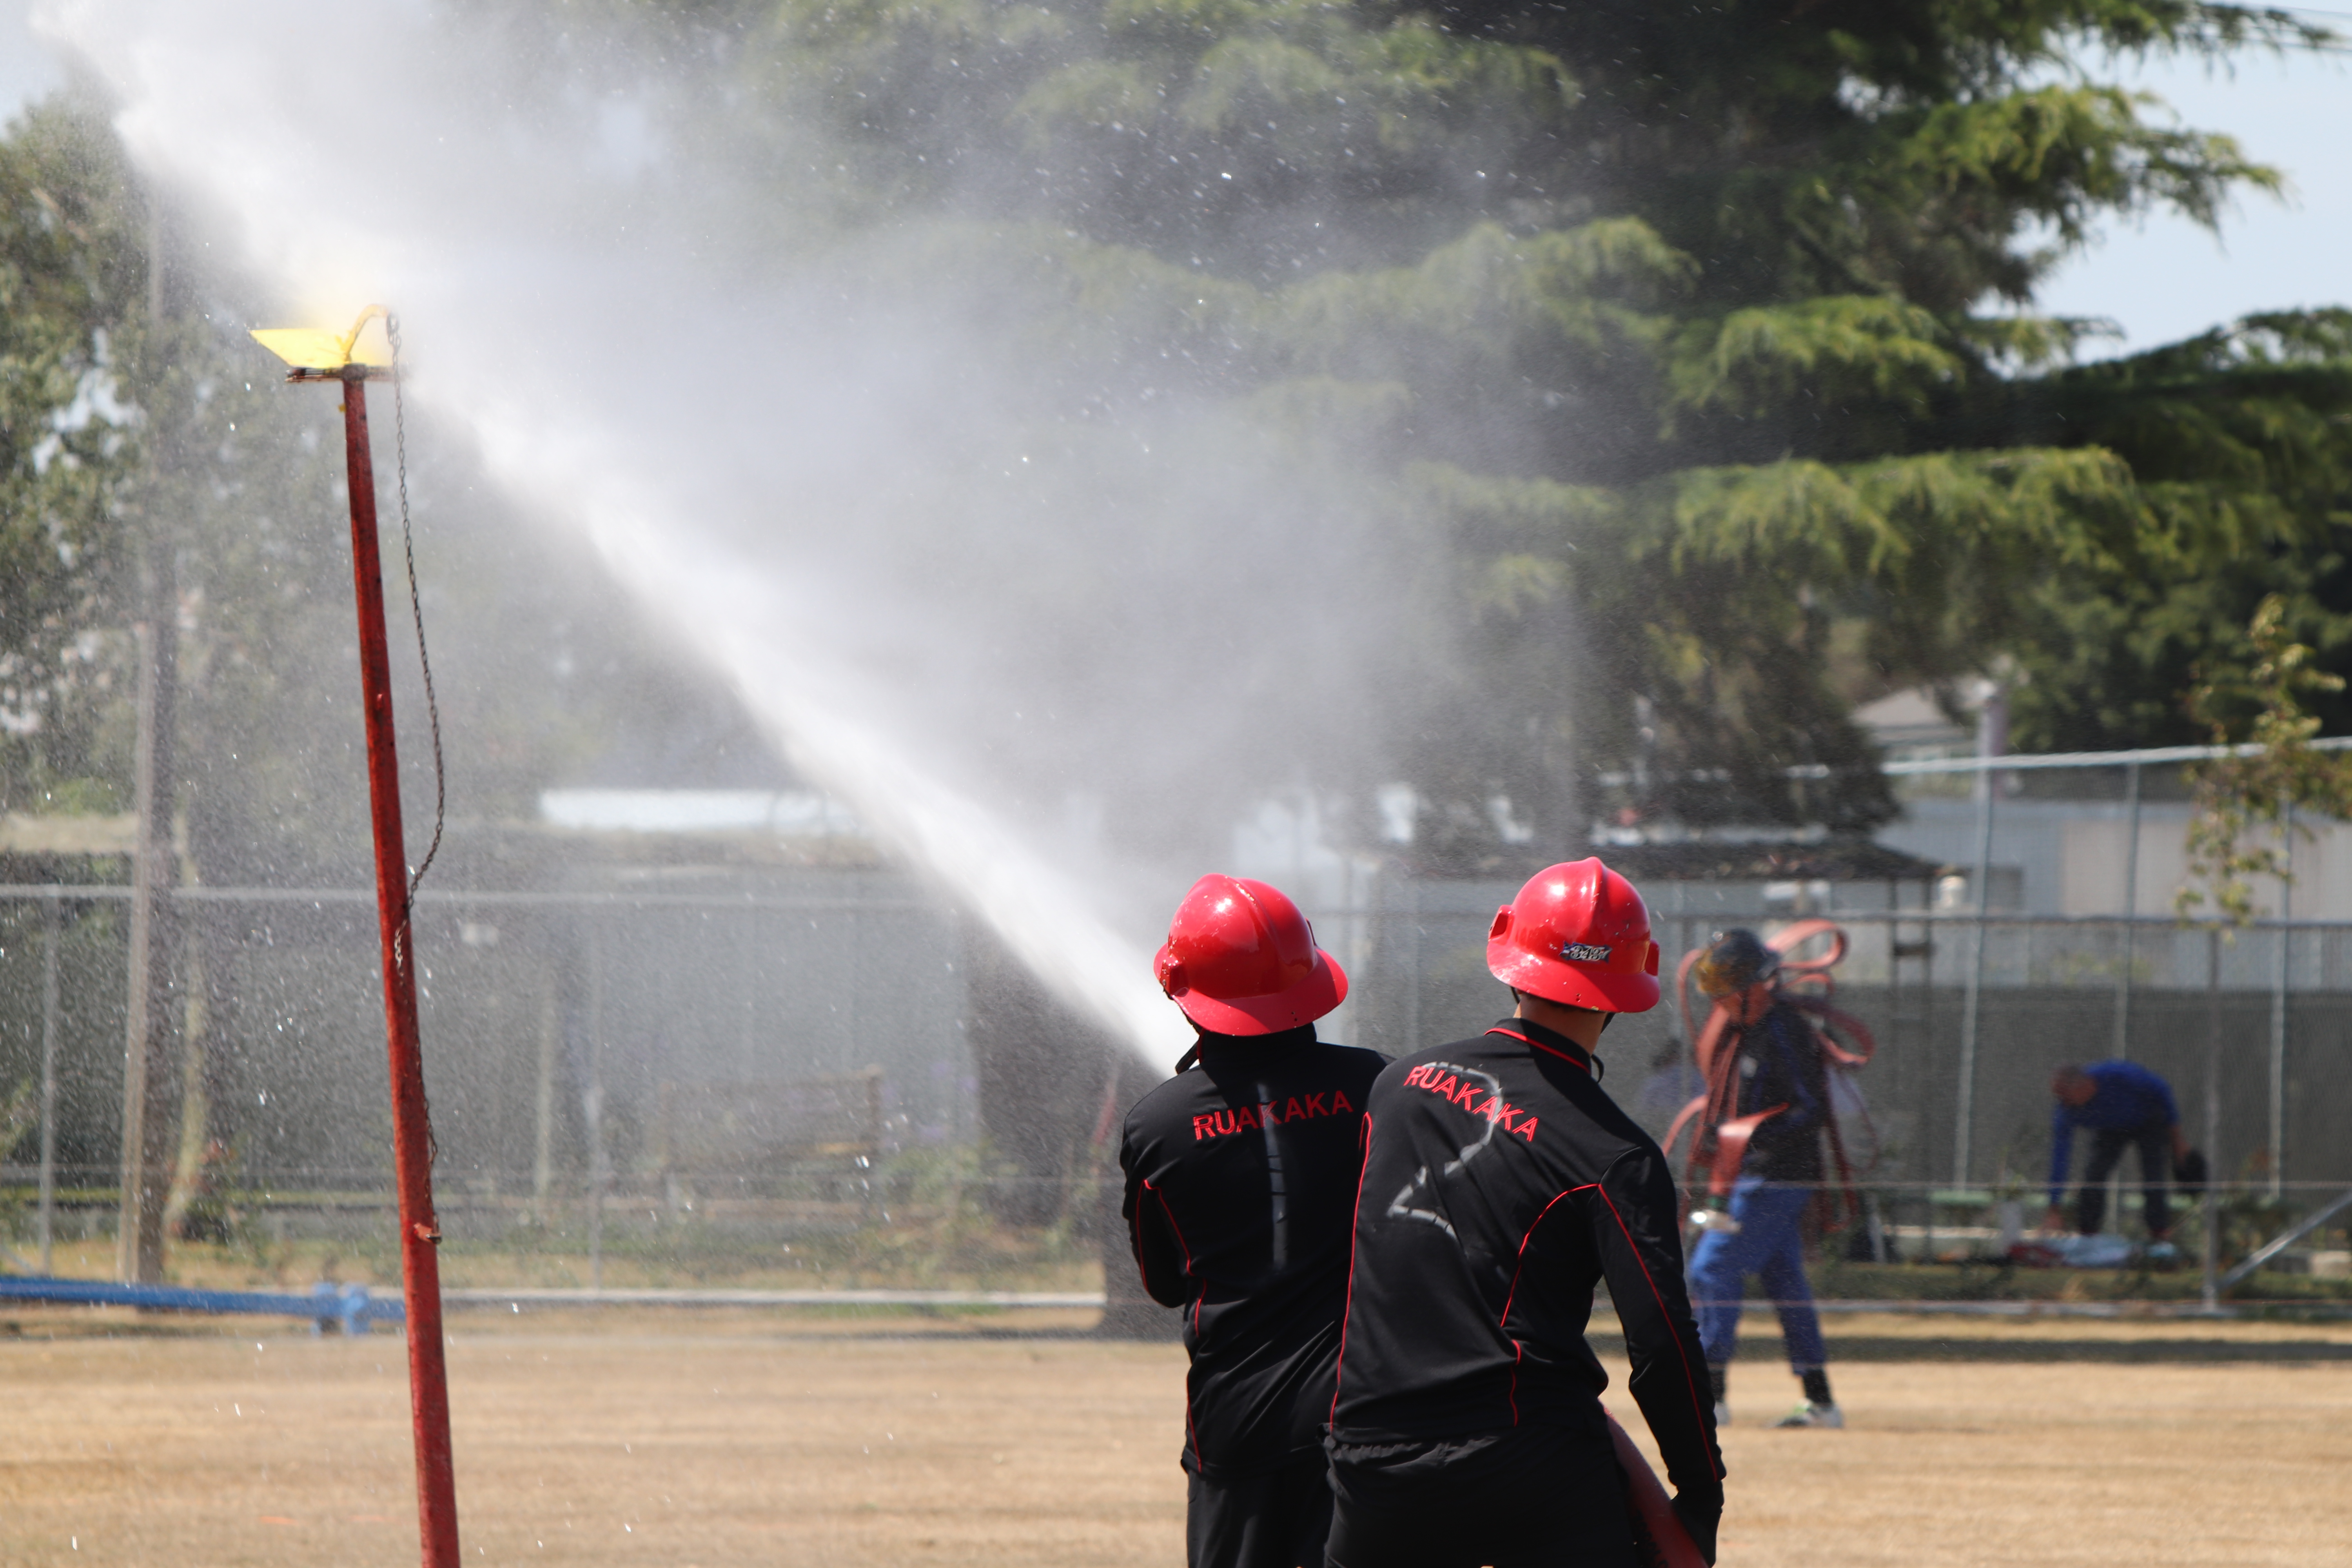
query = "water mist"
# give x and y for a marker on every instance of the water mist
(1038, 653)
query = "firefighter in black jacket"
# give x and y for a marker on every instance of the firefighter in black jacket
(1241, 1180)
(1501, 1183)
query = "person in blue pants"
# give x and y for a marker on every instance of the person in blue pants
(2122, 1105)
(1775, 1070)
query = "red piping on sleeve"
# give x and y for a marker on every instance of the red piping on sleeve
(1689, 1377)
(1179, 1230)
(1340, 1362)
(1512, 1293)
(1586, 1067)
(1518, 1351)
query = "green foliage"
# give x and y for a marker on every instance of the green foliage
(2240, 443)
(1840, 348)
(1694, 345)
(69, 289)
(1668, 324)
(2247, 805)
(119, 436)
(1863, 146)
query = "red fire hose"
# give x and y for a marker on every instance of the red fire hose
(1659, 1539)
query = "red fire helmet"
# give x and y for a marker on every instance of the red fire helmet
(1577, 934)
(1241, 960)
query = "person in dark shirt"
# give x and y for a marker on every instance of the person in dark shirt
(2125, 1106)
(1771, 1091)
(1241, 1180)
(1671, 1082)
(1501, 1184)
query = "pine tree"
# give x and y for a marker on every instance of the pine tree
(1700, 335)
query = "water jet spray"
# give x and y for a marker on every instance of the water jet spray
(320, 356)
(781, 529)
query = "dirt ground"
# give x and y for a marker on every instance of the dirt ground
(692, 1439)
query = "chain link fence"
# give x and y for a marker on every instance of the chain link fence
(674, 1087)
(1952, 1130)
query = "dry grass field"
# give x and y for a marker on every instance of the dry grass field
(692, 1439)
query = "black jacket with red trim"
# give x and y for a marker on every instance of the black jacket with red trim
(1501, 1184)
(1241, 1182)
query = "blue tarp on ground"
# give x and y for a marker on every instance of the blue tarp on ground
(348, 1307)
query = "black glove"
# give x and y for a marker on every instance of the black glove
(2188, 1172)
(1699, 1516)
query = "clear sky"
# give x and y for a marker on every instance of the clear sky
(25, 69)
(2166, 278)
(2158, 280)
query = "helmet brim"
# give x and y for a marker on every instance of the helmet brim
(1323, 989)
(1571, 984)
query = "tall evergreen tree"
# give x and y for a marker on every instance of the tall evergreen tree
(1708, 324)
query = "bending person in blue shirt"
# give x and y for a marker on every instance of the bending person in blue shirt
(2124, 1105)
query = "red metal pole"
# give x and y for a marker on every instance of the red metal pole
(420, 1232)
